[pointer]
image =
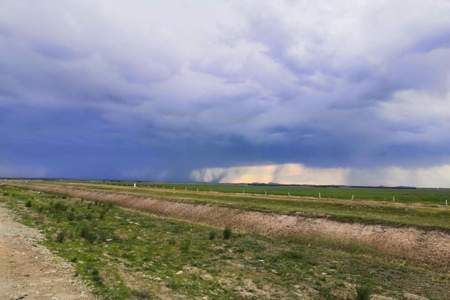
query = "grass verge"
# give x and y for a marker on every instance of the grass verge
(129, 255)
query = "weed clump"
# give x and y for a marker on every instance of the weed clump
(70, 215)
(95, 275)
(56, 207)
(212, 235)
(363, 293)
(60, 236)
(103, 213)
(227, 233)
(28, 203)
(141, 294)
(185, 246)
(87, 234)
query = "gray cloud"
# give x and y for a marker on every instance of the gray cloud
(226, 83)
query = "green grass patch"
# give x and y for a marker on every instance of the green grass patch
(130, 255)
(403, 195)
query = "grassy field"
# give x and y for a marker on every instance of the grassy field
(404, 195)
(124, 254)
(368, 212)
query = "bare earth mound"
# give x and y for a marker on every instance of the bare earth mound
(407, 242)
(30, 271)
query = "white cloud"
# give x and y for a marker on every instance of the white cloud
(286, 58)
(285, 173)
(423, 107)
(418, 116)
(438, 176)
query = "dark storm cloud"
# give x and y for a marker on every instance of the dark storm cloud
(156, 90)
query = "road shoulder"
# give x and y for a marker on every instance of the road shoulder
(29, 270)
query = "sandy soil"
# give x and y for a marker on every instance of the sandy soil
(29, 270)
(426, 246)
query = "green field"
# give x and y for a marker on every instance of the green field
(125, 254)
(391, 213)
(404, 195)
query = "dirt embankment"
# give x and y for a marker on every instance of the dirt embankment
(28, 270)
(426, 246)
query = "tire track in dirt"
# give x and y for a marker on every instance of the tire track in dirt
(406, 242)
(29, 270)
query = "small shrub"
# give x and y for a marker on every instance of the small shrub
(141, 294)
(56, 207)
(28, 203)
(363, 293)
(293, 255)
(212, 235)
(95, 275)
(70, 216)
(102, 213)
(227, 233)
(60, 236)
(59, 206)
(103, 235)
(185, 246)
(87, 234)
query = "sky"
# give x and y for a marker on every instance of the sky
(317, 92)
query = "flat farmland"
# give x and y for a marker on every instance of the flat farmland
(400, 194)
(166, 241)
(421, 214)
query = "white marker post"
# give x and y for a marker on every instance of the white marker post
(353, 197)
(134, 184)
(289, 194)
(320, 196)
(446, 202)
(393, 198)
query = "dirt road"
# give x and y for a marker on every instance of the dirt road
(29, 270)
